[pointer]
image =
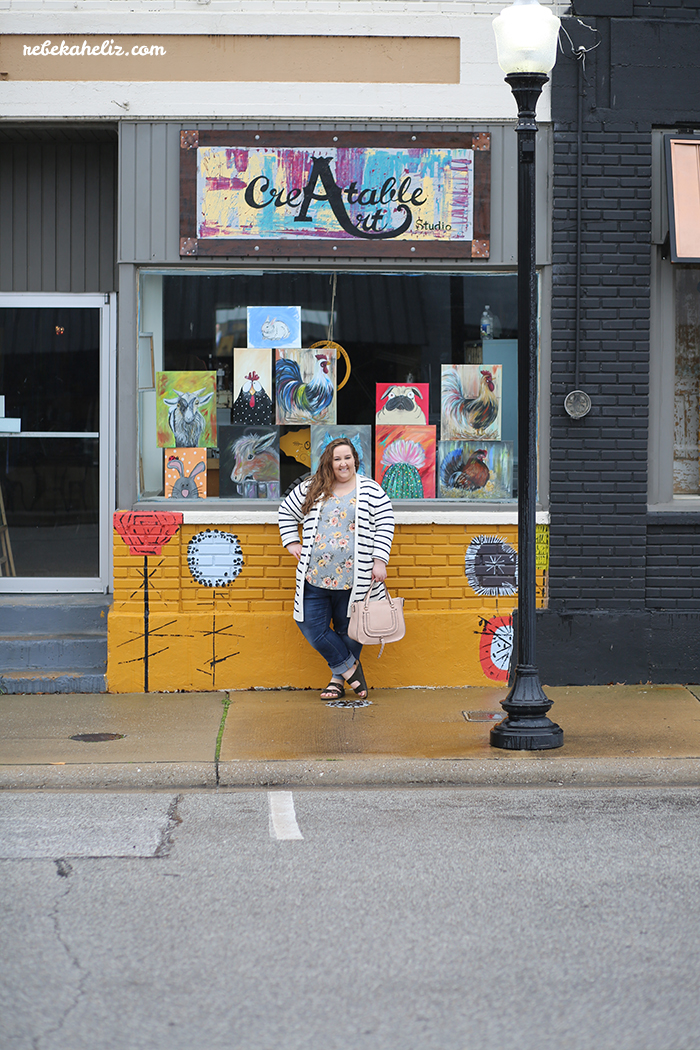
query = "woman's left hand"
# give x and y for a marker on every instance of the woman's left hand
(378, 571)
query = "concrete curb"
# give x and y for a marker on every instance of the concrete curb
(508, 770)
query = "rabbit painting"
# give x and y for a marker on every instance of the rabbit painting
(275, 326)
(183, 475)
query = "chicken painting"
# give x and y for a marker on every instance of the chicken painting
(465, 415)
(305, 386)
(472, 470)
(473, 474)
(253, 404)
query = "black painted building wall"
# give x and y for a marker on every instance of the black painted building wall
(624, 578)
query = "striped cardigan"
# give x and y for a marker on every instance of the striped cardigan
(374, 531)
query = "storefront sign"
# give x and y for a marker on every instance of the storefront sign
(353, 194)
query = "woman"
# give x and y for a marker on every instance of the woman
(348, 526)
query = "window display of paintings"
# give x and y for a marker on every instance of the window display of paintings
(360, 437)
(471, 402)
(475, 470)
(405, 461)
(305, 386)
(252, 387)
(185, 474)
(397, 403)
(274, 326)
(249, 462)
(186, 409)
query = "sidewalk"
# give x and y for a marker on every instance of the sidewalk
(612, 735)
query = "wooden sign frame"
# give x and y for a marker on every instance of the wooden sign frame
(261, 247)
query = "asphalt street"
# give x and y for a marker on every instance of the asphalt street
(389, 919)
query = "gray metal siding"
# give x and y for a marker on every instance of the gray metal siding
(149, 166)
(57, 216)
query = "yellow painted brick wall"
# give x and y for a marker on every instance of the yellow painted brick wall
(243, 635)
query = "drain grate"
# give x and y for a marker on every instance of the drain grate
(97, 738)
(483, 716)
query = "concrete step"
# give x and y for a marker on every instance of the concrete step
(54, 652)
(53, 613)
(68, 681)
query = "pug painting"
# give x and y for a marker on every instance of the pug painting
(402, 404)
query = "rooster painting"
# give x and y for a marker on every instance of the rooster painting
(467, 411)
(253, 404)
(305, 386)
(468, 469)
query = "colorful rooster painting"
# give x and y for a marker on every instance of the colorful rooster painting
(471, 402)
(305, 386)
(472, 470)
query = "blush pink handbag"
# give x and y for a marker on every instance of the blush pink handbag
(378, 622)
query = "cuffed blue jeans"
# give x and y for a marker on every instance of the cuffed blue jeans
(320, 607)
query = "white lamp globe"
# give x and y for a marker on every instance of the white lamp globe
(526, 37)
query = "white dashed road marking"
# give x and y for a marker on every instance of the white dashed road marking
(283, 821)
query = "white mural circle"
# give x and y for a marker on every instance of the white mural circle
(214, 558)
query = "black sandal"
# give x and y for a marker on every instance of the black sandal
(359, 677)
(333, 691)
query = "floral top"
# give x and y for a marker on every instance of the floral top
(332, 559)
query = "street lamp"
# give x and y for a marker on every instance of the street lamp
(526, 41)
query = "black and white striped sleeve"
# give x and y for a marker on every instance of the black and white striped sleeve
(290, 515)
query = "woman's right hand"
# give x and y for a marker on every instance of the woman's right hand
(295, 549)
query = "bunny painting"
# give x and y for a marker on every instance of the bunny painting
(186, 474)
(275, 326)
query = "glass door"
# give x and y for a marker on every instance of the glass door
(55, 442)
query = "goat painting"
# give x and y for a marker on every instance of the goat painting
(186, 409)
(249, 463)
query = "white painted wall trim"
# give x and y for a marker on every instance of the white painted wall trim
(480, 95)
(485, 519)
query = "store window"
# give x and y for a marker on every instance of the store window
(389, 341)
(686, 421)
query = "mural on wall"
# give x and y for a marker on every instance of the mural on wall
(405, 461)
(496, 647)
(471, 402)
(305, 383)
(274, 326)
(360, 437)
(491, 566)
(249, 462)
(402, 404)
(215, 559)
(252, 387)
(185, 474)
(472, 470)
(146, 533)
(186, 409)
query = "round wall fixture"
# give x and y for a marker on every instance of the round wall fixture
(577, 403)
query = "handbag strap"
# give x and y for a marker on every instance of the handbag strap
(369, 591)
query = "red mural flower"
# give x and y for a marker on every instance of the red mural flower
(146, 531)
(496, 647)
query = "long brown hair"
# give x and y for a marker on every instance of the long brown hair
(321, 485)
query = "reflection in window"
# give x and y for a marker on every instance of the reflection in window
(686, 440)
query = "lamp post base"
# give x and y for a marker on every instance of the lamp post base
(526, 727)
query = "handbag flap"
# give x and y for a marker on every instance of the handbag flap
(380, 620)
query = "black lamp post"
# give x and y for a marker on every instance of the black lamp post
(526, 39)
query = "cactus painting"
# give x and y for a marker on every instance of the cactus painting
(405, 461)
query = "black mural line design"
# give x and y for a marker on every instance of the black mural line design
(217, 632)
(491, 566)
